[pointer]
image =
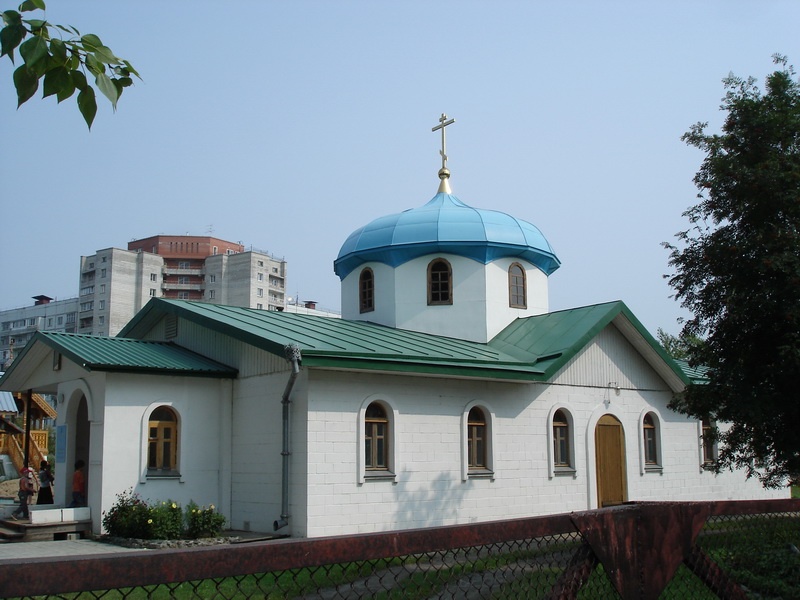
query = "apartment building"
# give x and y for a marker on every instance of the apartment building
(18, 325)
(115, 283)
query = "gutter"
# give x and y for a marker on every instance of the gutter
(292, 353)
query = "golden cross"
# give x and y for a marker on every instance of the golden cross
(443, 122)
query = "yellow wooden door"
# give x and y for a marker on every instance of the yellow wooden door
(609, 444)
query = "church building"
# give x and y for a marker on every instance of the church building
(447, 393)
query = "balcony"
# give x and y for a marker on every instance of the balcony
(194, 272)
(194, 287)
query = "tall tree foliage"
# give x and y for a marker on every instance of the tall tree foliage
(737, 270)
(63, 61)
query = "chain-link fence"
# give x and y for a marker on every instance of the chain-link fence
(648, 550)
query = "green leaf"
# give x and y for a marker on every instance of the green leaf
(26, 83)
(30, 5)
(130, 68)
(87, 105)
(104, 54)
(12, 17)
(125, 81)
(79, 79)
(59, 51)
(119, 85)
(33, 50)
(55, 80)
(10, 37)
(109, 90)
(91, 41)
(66, 90)
(94, 65)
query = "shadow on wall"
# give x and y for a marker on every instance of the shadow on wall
(439, 503)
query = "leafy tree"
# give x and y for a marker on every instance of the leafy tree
(678, 346)
(62, 63)
(737, 270)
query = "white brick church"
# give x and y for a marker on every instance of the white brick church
(447, 393)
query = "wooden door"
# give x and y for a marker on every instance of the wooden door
(609, 444)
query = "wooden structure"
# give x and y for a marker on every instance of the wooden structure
(12, 437)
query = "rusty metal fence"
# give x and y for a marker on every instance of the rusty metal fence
(746, 549)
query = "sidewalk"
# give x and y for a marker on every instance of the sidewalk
(67, 548)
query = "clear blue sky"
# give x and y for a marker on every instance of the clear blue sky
(287, 125)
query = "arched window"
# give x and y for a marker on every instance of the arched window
(562, 442)
(650, 438)
(476, 440)
(162, 443)
(376, 438)
(440, 282)
(366, 291)
(709, 443)
(517, 293)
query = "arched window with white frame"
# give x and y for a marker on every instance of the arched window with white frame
(477, 443)
(162, 443)
(517, 290)
(651, 442)
(561, 438)
(377, 441)
(440, 282)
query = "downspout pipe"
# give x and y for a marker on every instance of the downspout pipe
(292, 353)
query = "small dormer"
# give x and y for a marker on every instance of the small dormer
(445, 268)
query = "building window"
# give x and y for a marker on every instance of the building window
(562, 443)
(183, 264)
(260, 292)
(152, 293)
(60, 320)
(517, 296)
(260, 277)
(366, 291)
(153, 277)
(183, 295)
(261, 263)
(184, 279)
(162, 443)
(211, 294)
(102, 272)
(260, 306)
(650, 440)
(440, 282)
(214, 250)
(212, 278)
(102, 288)
(102, 304)
(476, 439)
(708, 441)
(101, 320)
(376, 438)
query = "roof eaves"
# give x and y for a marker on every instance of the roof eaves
(466, 370)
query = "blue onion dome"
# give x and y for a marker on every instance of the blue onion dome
(445, 225)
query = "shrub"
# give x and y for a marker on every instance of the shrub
(132, 517)
(128, 517)
(166, 521)
(202, 521)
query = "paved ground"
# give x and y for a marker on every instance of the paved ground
(12, 550)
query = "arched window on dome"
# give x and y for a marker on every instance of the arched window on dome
(517, 290)
(366, 291)
(440, 282)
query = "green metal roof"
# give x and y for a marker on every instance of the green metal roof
(338, 343)
(121, 354)
(529, 349)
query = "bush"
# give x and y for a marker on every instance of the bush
(166, 521)
(133, 517)
(203, 522)
(128, 517)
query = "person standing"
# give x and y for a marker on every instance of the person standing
(46, 480)
(78, 485)
(24, 494)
